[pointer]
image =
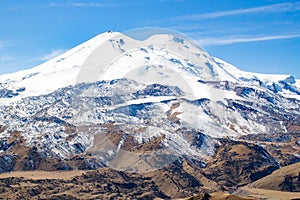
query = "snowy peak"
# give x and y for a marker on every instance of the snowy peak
(58, 72)
(285, 85)
(161, 58)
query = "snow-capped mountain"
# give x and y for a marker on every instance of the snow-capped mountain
(119, 101)
(118, 54)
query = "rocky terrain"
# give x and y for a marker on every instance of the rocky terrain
(170, 183)
(158, 118)
(236, 165)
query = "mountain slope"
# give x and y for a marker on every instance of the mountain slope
(284, 179)
(143, 106)
(123, 54)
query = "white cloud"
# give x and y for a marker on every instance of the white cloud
(83, 4)
(281, 7)
(6, 58)
(55, 4)
(233, 40)
(96, 5)
(51, 55)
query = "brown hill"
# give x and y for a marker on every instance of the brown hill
(263, 194)
(96, 184)
(238, 163)
(235, 164)
(284, 179)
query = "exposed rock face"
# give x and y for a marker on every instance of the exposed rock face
(7, 163)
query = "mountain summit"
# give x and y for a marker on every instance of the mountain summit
(113, 55)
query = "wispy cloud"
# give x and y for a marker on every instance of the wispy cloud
(6, 58)
(83, 4)
(95, 5)
(233, 40)
(170, 0)
(281, 7)
(3, 44)
(50, 55)
(55, 4)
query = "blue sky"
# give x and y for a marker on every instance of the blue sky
(254, 35)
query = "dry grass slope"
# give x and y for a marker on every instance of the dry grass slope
(284, 179)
